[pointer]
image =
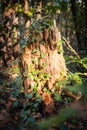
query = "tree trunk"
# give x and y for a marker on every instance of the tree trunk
(85, 46)
(74, 13)
(6, 45)
(41, 62)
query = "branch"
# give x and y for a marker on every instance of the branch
(70, 47)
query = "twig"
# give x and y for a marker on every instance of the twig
(71, 94)
(70, 47)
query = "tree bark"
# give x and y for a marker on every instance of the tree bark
(85, 1)
(48, 64)
(74, 14)
(42, 62)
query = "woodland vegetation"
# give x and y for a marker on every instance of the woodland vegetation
(43, 65)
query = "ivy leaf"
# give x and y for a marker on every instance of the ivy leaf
(24, 105)
(57, 97)
(36, 105)
(29, 96)
(42, 42)
(39, 100)
(30, 13)
(34, 50)
(30, 120)
(15, 104)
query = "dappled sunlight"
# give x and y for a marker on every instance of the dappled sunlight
(43, 65)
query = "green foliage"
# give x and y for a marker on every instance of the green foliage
(35, 60)
(56, 120)
(42, 42)
(63, 6)
(58, 97)
(75, 82)
(15, 104)
(35, 50)
(35, 28)
(43, 55)
(45, 76)
(14, 70)
(28, 109)
(83, 61)
(68, 112)
(60, 50)
(57, 5)
(77, 68)
(19, 8)
(16, 86)
(51, 9)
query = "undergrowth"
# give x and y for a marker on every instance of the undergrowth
(27, 106)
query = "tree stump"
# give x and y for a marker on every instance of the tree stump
(42, 60)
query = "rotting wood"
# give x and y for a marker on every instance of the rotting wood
(54, 61)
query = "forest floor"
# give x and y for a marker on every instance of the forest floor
(6, 123)
(9, 119)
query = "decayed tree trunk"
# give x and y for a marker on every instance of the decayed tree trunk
(41, 62)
